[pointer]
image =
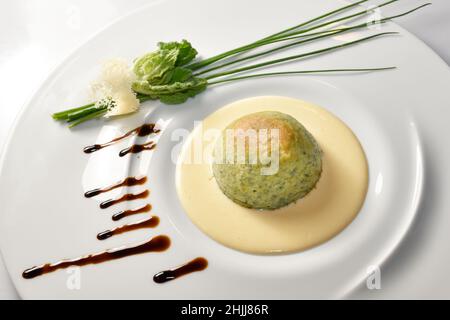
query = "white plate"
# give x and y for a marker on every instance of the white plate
(44, 174)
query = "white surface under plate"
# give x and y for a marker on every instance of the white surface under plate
(397, 115)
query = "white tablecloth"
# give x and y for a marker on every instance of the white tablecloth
(36, 35)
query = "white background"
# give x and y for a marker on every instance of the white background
(36, 35)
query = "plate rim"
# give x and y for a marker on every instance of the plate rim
(73, 54)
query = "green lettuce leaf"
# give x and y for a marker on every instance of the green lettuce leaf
(174, 93)
(153, 67)
(186, 53)
(161, 75)
(178, 74)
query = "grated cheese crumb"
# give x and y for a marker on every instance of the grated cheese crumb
(113, 88)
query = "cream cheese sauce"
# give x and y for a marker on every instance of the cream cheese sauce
(312, 220)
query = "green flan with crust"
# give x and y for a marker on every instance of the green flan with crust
(285, 180)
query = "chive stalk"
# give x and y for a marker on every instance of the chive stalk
(286, 73)
(297, 56)
(280, 35)
(318, 35)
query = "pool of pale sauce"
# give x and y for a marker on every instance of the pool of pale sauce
(322, 214)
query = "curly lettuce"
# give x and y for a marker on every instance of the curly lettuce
(161, 74)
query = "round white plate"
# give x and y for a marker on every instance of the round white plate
(45, 217)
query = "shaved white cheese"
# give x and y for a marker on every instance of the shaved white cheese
(113, 88)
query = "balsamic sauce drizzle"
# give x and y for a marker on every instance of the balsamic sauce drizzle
(128, 182)
(136, 148)
(126, 197)
(157, 244)
(151, 222)
(198, 264)
(142, 131)
(122, 214)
